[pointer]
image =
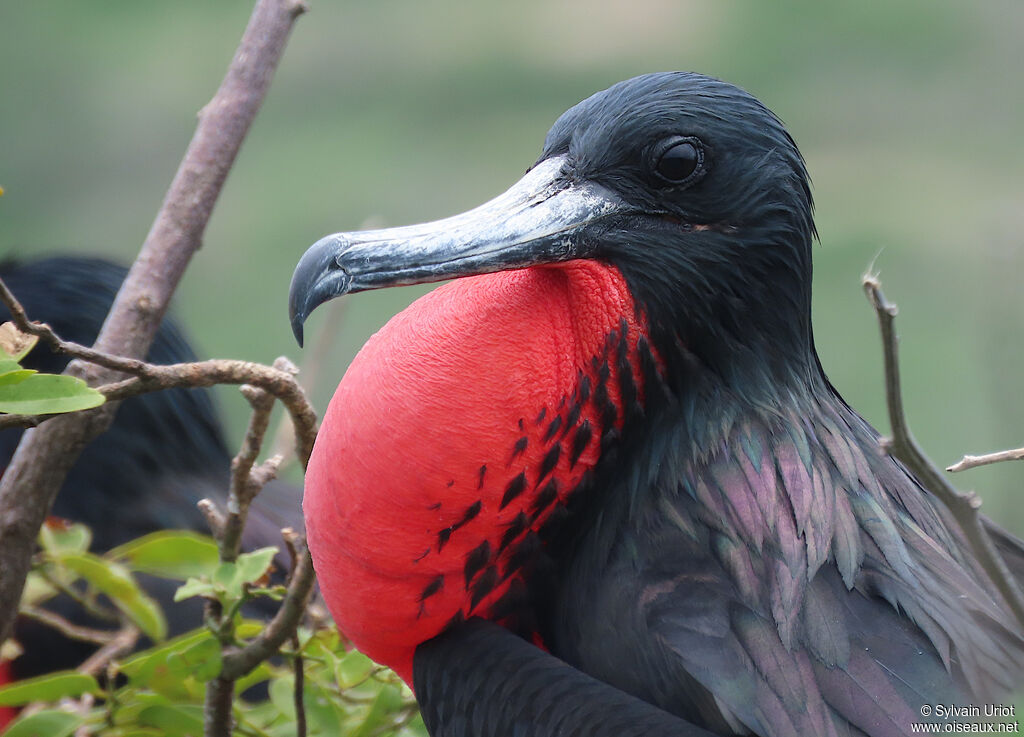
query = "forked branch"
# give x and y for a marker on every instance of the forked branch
(963, 506)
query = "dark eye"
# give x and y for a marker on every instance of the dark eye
(678, 159)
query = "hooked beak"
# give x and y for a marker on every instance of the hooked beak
(541, 219)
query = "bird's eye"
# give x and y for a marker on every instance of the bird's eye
(678, 159)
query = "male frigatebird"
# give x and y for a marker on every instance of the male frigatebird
(616, 441)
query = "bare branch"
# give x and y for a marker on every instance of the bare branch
(963, 506)
(281, 627)
(25, 421)
(154, 377)
(281, 384)
(217, 715)
(298, 665)
(67, 628)
(214, 517)
(46, 454)
(40, 329)
(122, 641)
(87, 602)
(279, 381)
(244, 486)
(969, 461)
(298, 692)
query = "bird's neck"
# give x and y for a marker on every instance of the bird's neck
(740, 335)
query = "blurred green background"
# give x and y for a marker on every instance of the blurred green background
(910, 115)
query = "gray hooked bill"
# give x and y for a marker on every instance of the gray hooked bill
(540, 219)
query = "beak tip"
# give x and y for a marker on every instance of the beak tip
(314, 282)
(297, 313)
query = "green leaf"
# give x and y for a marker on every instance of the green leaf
(175, 719)
(130, 704)
(114, 580)
(178, 554)
(49, 723)
(259, 674)
(352, 669)
(14, 343)
(202, 661)
(229, 578)
(252, 566)
(47, 394)
(417, 727)
(388, 700)
(15, 375)
(277, 593)
(58, 538)
(249, 628)
(282, 691)
(322, 709)
(51, 687)
(195, 587)
(37, 590)
(151, 667)
(8, 365)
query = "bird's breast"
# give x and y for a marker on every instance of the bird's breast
(459, 431)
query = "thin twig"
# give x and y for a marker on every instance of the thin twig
(46, 453)
(76, 350)
(67, 628)
(281, 627)
(88, 602)
(218, 716)
(214, 517)
(280, 381)
(244, 486)
(298, 664)
(963, 506)
(281, 384)
(969, 461)
(85, 703)
(247, 480)
(299, 690)
(122, 641)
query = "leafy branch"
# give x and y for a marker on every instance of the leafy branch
(47, 452)
(260, 386)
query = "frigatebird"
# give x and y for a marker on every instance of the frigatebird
(163, 453)
(602, 485)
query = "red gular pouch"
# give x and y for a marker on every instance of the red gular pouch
(457, 431)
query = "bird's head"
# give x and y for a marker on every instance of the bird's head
(688, 185)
